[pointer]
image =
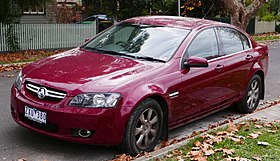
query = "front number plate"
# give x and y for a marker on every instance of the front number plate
(35, 115)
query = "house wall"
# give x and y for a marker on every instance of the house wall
(33, 19)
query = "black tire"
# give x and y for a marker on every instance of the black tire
(252, 95)
(144, 128)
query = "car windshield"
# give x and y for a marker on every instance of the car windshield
(139, 41)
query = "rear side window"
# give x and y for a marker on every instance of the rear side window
(204, 45)
(231, 40)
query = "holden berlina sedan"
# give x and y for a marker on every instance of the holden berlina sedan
(138, 79)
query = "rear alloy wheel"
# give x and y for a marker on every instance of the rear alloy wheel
(144, 128)
(252, 95)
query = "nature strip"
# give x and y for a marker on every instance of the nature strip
(125, 157)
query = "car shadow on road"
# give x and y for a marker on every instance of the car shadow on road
(31, 145)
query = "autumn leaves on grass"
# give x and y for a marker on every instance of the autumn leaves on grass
(244, 141)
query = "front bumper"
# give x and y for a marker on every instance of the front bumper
(107, 125)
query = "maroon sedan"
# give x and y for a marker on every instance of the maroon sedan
(133, 82)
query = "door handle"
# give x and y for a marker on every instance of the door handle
(249, 56)
(219, 67)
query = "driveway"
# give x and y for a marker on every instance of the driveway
(18, 142)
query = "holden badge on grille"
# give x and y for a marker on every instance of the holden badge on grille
(41, 93)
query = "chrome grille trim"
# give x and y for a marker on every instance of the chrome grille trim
(49, 93)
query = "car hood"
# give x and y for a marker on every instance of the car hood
(78, 70)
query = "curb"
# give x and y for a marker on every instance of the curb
(269, 114)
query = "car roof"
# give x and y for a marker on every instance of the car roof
(174, 21)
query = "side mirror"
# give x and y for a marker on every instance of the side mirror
(87, 39)
(194, 61)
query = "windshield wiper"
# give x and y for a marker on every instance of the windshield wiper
(124, 54)
(150, 59)
(111, 52)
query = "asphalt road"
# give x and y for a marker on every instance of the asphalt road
(17, 142)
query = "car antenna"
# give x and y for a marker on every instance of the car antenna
(208, 11)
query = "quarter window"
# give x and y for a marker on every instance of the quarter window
(245, 42)
(231, 40)
(204, 45)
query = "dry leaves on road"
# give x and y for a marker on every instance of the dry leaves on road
(26, 55)
(18, 57)
(12, 67)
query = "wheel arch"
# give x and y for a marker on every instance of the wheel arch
(152, 91)
(164, 107)
(261, 74)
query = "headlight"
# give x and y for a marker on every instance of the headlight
(95, 100)
(18, 81)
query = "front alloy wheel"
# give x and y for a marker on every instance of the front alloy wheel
(144, 128)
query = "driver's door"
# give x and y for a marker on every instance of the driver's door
(201, 88)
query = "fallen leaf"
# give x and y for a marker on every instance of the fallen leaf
(123, 157)
(164, 144)
(222, 133)
(195, 148)
(206, 146)
(200, 158)
(254, 135)
(228, 151)
(263, 143)
(272, 131)
(258, 126)
(147, 154)
(195, 133)
(22, 159)
(174, 141)
(257, 158)
(209, 152)
(232, 127)
(177, 152)
(10, 76)
(207, 136)
(236, 159)
(194, 153)
(197, 143)
(237, 140)
(169, 155)
(179, 158)
(267, 125)
(228, 116)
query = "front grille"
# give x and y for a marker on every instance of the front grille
(48, 93)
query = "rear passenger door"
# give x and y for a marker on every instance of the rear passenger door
(238, 55)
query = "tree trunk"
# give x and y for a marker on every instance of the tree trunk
(240, 13)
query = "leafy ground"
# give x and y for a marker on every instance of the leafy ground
(267, 36)
(22, 58)
(231, 143)
(251, 140)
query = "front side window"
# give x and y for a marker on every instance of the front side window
(159, 42)
(204, 45)
(231, 40)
